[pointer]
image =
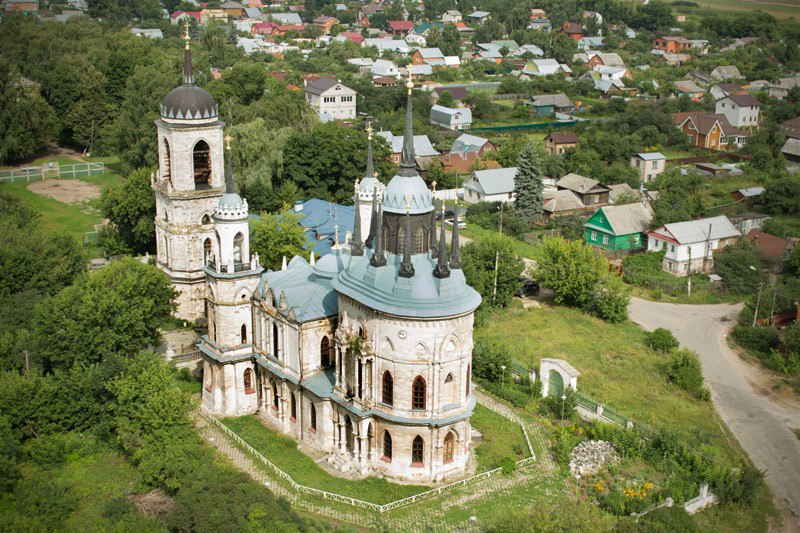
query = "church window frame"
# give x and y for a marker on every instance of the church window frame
(201, 165)
(167, 161)
(468, 380)
(420, 241)
(208, 249)
(325, 352)
(292, 407)
(401, 241)
(244, 333)
(247, 380)
(238, 248)
(275, 397)
(418, 394)
(313, 417)
(448, 447)
(387, 388)
(387, 446)
(418, 451)
(275, 341)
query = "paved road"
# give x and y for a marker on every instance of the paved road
(763, 425)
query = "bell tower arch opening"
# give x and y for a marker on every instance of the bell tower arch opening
(201, 160)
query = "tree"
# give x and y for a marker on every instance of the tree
(275, 236)
(88, 116)
(782, 194)
(739, 265)
(446, 100)
(685, 371)
(680, 197)
(130, 208)
(478, 261)
(611, 299)
(528, 184)
(115, 310)
(571, 268)
(661, 340)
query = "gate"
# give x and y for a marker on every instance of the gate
(556, 384)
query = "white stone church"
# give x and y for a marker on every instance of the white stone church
(365, 354)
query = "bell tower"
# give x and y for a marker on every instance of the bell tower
(188, 185)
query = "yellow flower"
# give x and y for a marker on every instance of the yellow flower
(648, 485)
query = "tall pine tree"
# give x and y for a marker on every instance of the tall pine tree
(528, 184)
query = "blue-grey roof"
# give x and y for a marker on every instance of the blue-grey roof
(252, 12)
(407, 193)
(422, 144)
(230, 201)
(286, 18)
(468, 143)
(420, 296)
(478, 14)
(651, 156)
(319, 219)
(447, 115)
(751, 191)
(493, 181)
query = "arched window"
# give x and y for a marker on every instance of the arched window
(248, 381)
(417, 451)
(449, 447)
(201, 157)
(313, 417)
(325, 352)
(468, 380)
(206, 219)
(244, 333)
(167, 161)
(450, 389)
(274, 396)
(387, 446)
(238, 243)
(275, 340)
(292, 407)
(387, 395)
(420, 241)
(208, 249)
(401, 240)
(418, 393)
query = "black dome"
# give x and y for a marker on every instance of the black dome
(189, 102)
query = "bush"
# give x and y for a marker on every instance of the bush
(488, 360)
(685, 371)
(638, 269)
(739, 485)
(759, 338)
(508, 465)
(610, 301)
(668, 519)
(661, 340)
(515, 393)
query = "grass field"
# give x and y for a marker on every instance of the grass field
(501, 438)
(523, 249)
(778, 8)
(616, 368)
(77, 218)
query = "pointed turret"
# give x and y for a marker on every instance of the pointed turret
(442, 270)
(357, 244)
(378, 258)
(373, 223)
(455, 254)
(406, 268)
(188, 75)
(229, 188)
(408, 163)
(432, 232)
(370, 167)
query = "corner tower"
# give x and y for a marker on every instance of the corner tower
(188, 186)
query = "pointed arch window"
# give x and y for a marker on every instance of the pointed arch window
(292, 407)
(275, 340)
(248, 382)
(313, 417)
(201, 159)
(418, 393)
(417, 451)
(419, 241)
(449, 447)
(401, 240)
(244, 333)
(167, 161)
(274, 396)
(325, 352)
(238, 245)
(206, 219)
(387, 389)
(387, 447)
(208, 249)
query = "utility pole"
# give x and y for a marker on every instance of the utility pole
(758, 302)
(689, 274)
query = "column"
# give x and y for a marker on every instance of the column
(338, 355)
(361, 450)
(342, 438)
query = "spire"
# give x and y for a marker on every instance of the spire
(455, 254)
(442, 270)
(229, 188)
(373, 223)
(406, 268)
(356, 244)
(188, 75)
(370, 167)
(408, 163)
(378, 259)
(432, 233)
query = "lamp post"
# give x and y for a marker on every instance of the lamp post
(563, 399)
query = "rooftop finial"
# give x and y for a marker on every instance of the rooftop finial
(373, 222)
(433, 184)
(378, 258)
(455, 254)
(406, 268)
(336, 235)
(370, 171)
(356, 244)
(229, 188)
(442, 270)
(188, 75)
(408, 163)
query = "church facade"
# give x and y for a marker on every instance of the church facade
(365, 354)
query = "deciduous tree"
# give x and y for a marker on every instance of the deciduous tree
(275, 236)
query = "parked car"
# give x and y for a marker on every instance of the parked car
(447, 214)
(461, 223)
(528, 288)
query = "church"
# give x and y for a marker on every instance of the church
(363, 355)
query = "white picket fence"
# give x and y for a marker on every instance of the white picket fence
(51, 171)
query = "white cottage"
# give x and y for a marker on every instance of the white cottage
(691, 243)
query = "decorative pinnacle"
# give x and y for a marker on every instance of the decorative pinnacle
(186, 36)
(409, 82)
(228, 140)
(355, 184)
(369, 131)
(375, 174)
(434, 185)
(336, 235)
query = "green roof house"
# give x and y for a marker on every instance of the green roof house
(619, 227)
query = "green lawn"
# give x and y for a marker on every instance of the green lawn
(523, 249)
(777, 8)
(75, 219)
(501, 438)
(616, 368)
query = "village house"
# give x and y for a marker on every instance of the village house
(712, 132)
(672, 45)
(462, 164)
(729, 72)
(459, 94)
(180, 17)
(472, 143)
(24, 7)
(791, 150)
(772, 250)
(619, 227)
(287, 18)
(494, 185)
(747, 222)
(791, 128)
(233, 9)
(561, 202)
(428, 56)
(385, 68)
(424, 151)
(452, 119)
(478, 17)
(721, 90)
(741, 110)
(590, 43)
(691, 244)
(539, 21)
(781, 89)
(550, 104)
(690, 89)
(400, 28)
(544, 67)
(675, 59)
(590, 192)
(560, 141)
(573, 30)
(451, 16)
(649, 165)
(147, 32)
(330, 97)
(607, 59)
(207, 15)
(326, 24)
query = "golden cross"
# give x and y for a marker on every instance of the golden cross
(375, 174)
(369, 131)
(409, 82)
(228, 140)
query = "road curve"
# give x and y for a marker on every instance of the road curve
(762, 425)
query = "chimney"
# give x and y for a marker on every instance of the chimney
(298, 206)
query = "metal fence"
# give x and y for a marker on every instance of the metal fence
(355, 502)
(51, 171)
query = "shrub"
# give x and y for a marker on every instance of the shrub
(638, 269)
(512, 392)
(759, 338)
(666, 519)
(610, 301)
(685, 371)
(790, 338)
(661, 340)
(488, 360)
(508, 465)
(739, 485)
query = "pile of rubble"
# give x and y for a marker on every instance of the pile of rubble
(590, 456)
